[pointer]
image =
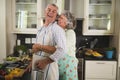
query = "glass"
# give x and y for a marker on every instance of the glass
(99, 9)
(26, 14)
(99, 14)
(98, 24)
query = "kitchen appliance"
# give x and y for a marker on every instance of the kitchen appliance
(80, 68)
(80, 56)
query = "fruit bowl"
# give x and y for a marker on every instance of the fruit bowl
(11, 60)
(93, 53)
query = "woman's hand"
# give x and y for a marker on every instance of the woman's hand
(41, 64)
(44, 48)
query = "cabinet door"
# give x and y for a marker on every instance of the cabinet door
(99, 17)
(76, 7)
(24, 16)
(28, 15)
(100, 69)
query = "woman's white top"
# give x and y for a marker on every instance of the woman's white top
(71, 42)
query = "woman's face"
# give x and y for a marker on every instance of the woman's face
(62, 21)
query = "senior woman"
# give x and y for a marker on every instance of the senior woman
(68, 64)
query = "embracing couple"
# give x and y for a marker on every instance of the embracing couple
(54, 50)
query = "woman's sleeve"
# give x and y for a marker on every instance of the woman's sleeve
(71, 42)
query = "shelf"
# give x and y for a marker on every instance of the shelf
(100, 18)
(25, 31)
(26, 3)
(93, 4)
(29, 16)
(97, 28)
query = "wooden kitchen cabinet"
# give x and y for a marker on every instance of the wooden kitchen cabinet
(28, 15)
(100, 70)
(99, 17)
(24, 16)
(76, 7)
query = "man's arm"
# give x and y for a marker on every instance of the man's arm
(60, 40)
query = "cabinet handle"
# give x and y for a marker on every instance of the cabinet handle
(100, 63)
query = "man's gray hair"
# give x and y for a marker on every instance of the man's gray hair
(52, 4)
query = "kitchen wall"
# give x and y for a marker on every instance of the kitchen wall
(81, 40)
(26, 39)
(115, 41)
(2, 29)
(11, 37)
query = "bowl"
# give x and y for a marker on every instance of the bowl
(10, 60)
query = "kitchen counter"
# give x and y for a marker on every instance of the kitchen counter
(15, 71)
(101, 59)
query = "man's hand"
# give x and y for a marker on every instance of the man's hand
(29, 68)
(36, 48)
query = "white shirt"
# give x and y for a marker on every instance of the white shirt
(71, 42)
(52, 35)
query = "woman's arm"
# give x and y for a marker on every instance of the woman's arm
(44, 48)
(41, 64)
(48, 49)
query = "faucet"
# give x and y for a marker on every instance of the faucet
(81, 47)
(93, 43)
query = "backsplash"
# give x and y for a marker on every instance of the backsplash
(26, 39)
(88, 41)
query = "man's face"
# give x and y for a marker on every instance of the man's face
(51, 12)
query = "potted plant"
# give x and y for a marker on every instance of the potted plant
(110, 49)
(20, 50)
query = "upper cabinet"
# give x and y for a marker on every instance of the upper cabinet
(99, 17)
(24, 16)
(28, 15)
(74, 6)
